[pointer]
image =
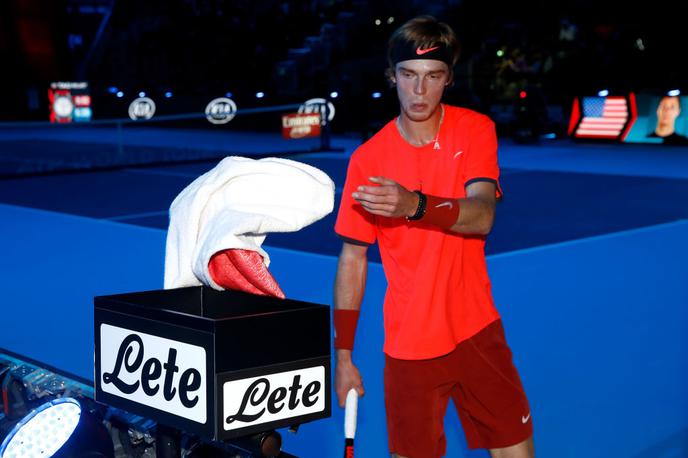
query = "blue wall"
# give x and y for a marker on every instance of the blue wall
(597, 327)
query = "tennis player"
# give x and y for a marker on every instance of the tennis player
(425, 188)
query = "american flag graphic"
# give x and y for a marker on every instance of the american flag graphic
(603, 117)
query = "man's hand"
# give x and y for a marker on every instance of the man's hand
(346, 376)
(388, 199)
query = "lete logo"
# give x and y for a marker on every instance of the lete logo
(153, 371)
(272, 397)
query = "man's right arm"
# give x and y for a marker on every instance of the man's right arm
(349, 287)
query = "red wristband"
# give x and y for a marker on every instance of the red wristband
(441, 212)
(345, 322)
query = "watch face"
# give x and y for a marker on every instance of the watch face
(63, 106)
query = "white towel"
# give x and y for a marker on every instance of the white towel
(235, 205)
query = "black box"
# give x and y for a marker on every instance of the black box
(219, 364)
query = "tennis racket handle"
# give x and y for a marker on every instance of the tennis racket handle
(350, 414)
(349, 448)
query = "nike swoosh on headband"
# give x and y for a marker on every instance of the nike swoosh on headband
(420, 52)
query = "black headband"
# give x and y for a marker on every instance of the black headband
(408, 51)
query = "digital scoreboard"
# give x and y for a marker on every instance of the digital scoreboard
(69, 102)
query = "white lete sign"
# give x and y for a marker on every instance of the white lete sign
(153, 371)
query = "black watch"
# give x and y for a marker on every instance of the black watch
(420, 211)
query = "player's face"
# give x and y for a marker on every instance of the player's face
(668, 110)
(420, 85)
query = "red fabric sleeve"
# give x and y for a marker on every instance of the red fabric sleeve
(482, 157)
(243, 270)
(353, 221)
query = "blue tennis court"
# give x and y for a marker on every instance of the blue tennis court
(587, 262)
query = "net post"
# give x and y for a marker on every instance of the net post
(120, 146)
(325, 131)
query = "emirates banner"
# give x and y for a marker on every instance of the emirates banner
(301, 125)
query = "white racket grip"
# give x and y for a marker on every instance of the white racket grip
(350, 414)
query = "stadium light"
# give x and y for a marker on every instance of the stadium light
(390, 20)
(142, 94)
(500, 53)
(260, 95)
(603, 93)
(674, 93)
(378, 22)
(229, 95)
(112, 90)
(168, 95)
(120, 94)
(58, 428)
(523, 94)
(376, 95)
(334, 94)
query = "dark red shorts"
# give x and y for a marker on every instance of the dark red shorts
(478, 376)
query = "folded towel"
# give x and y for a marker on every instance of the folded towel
(234, 206)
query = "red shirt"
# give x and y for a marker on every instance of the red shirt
(438, 290)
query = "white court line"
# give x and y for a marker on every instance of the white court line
(511, 171)
(86, 219)
(135, 215)
(610, 235)
(163, 172)
(503, 172)
(594, 238)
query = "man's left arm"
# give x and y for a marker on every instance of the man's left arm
(477, 210)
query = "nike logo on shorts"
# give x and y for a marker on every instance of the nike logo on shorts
(420, 52)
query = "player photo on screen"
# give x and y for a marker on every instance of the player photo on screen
(662, 120)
